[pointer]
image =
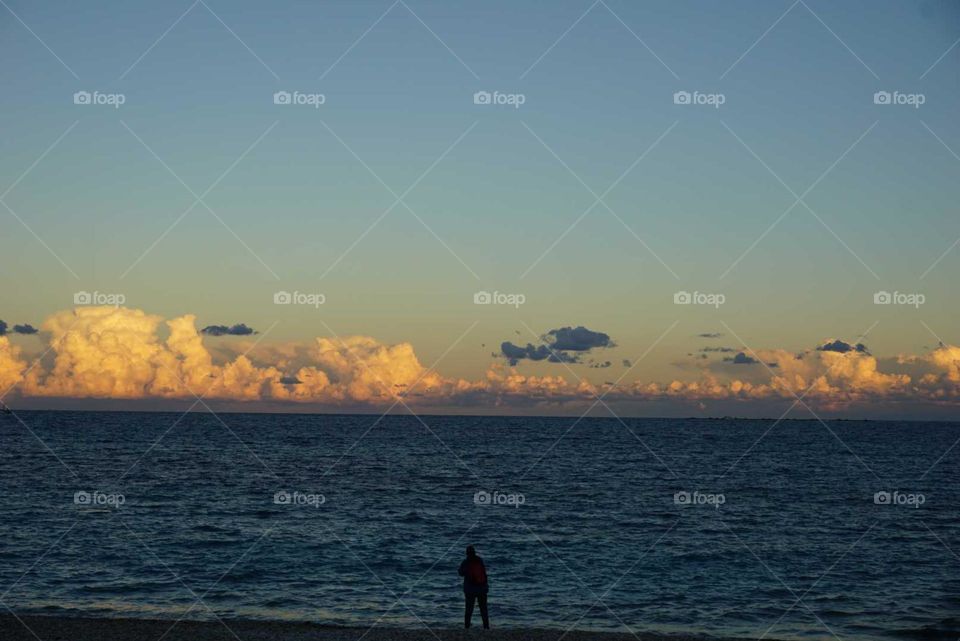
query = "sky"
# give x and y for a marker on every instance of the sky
(629, 153)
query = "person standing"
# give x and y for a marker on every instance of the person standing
(475, 587)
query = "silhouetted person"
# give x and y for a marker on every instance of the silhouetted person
(475, 587)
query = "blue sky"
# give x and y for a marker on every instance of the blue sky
(299, 200)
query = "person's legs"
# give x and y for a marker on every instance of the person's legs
(468, 609)
(482, 599)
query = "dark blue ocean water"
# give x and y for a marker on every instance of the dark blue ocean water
(781, 534)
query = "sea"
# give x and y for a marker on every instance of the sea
(792, 529)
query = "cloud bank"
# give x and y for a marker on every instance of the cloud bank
(120, 353)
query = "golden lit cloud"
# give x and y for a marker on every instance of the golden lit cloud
(120, 353)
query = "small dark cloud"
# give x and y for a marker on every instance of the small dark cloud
(722, 350)
(627, 363)
(222, 330)
(516, 353)
(842, 347)
(17, 329)
(743, 359)
(558, 345)
(25, 329)
(289, 380)
(603, 365)
(577, 339)
(710, 335)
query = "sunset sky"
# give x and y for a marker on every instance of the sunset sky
(788, 208)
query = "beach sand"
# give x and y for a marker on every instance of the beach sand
(30, 628)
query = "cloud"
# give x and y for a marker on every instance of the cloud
(723, 350)
(516, 353)
(120, 353)
(577, 339)
(558, 342)
(25, 329)
(709, 335)
(17, 329)
(841, 347)
(222, 330)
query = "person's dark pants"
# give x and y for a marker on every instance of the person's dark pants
(468, 610)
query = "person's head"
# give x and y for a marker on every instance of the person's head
(471, 552)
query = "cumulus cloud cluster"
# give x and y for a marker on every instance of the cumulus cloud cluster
(120, 353)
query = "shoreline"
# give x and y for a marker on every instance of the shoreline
(15, 627)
